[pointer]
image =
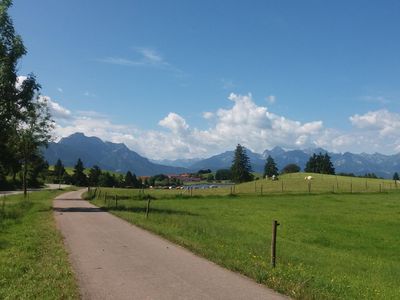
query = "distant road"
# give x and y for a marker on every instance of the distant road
(50, 186)
(116, 260)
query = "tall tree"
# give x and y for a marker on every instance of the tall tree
(79, 177)
(59, 171)
(25, 121)
(241, 167)
(320, 163)
(270, 167)
(94, 175)
(129, 179)
(396, 176)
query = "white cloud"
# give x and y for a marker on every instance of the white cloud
(150, 55)
(20, 80)
(244, 122)
(382, 121)
(208, 115)
(57, 111)
(175, 123)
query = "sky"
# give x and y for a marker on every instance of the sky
(188, 79)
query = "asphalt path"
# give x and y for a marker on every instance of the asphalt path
(113, 259)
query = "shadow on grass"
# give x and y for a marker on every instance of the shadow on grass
(152, 210)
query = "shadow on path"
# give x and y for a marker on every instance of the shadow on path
(78, 209)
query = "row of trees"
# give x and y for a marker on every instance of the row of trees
(25, 121)
(94, 177)
(240, 170)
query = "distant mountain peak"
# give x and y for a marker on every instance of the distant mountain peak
(107, 155)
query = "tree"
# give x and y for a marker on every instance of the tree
(107, 180)
(94, 175)
(210, 177)
(270, 168)
(320, 163)
(223, 174)
(25, 121)
(129, 179)
(79, 178)
(241, 166)
(290, 168)
(396, 176)
(59, 171)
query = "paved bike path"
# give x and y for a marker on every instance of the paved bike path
(113, 259)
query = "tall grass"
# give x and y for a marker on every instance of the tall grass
(33, 262)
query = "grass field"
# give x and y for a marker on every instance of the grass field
(330, 245)
(33, 262)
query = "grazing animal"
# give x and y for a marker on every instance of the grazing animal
(308, 178)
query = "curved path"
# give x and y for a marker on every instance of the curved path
(113, 259)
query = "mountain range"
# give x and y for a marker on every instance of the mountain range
(107, 155)
(118, 157)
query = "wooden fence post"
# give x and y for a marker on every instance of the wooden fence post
(148, 208)
(275, 224)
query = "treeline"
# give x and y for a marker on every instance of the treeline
(97, 177)
(25, 121)
(94, 177)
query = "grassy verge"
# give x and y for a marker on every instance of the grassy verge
(330, 246)
(33, 262)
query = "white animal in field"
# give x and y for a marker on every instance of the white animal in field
(308, 178)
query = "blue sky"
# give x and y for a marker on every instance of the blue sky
(157, 75)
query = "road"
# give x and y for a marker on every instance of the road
(113, 259)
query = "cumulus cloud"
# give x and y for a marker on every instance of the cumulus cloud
(175, 123)
(383, 121)
(57, 111)
(244, 122)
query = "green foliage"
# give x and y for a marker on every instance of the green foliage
(320, 163)
(33, 261)
(290, 168)
(79, 178)
(270, 167)
(163, 180)
(94, 176)
(131, 180)
(223, 174)
(241, 168)
(25, 122)
(210, 177)
(204, 171)
(59, 172)
(396, 176)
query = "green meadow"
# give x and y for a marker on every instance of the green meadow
(33, 261)
(339, 241)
